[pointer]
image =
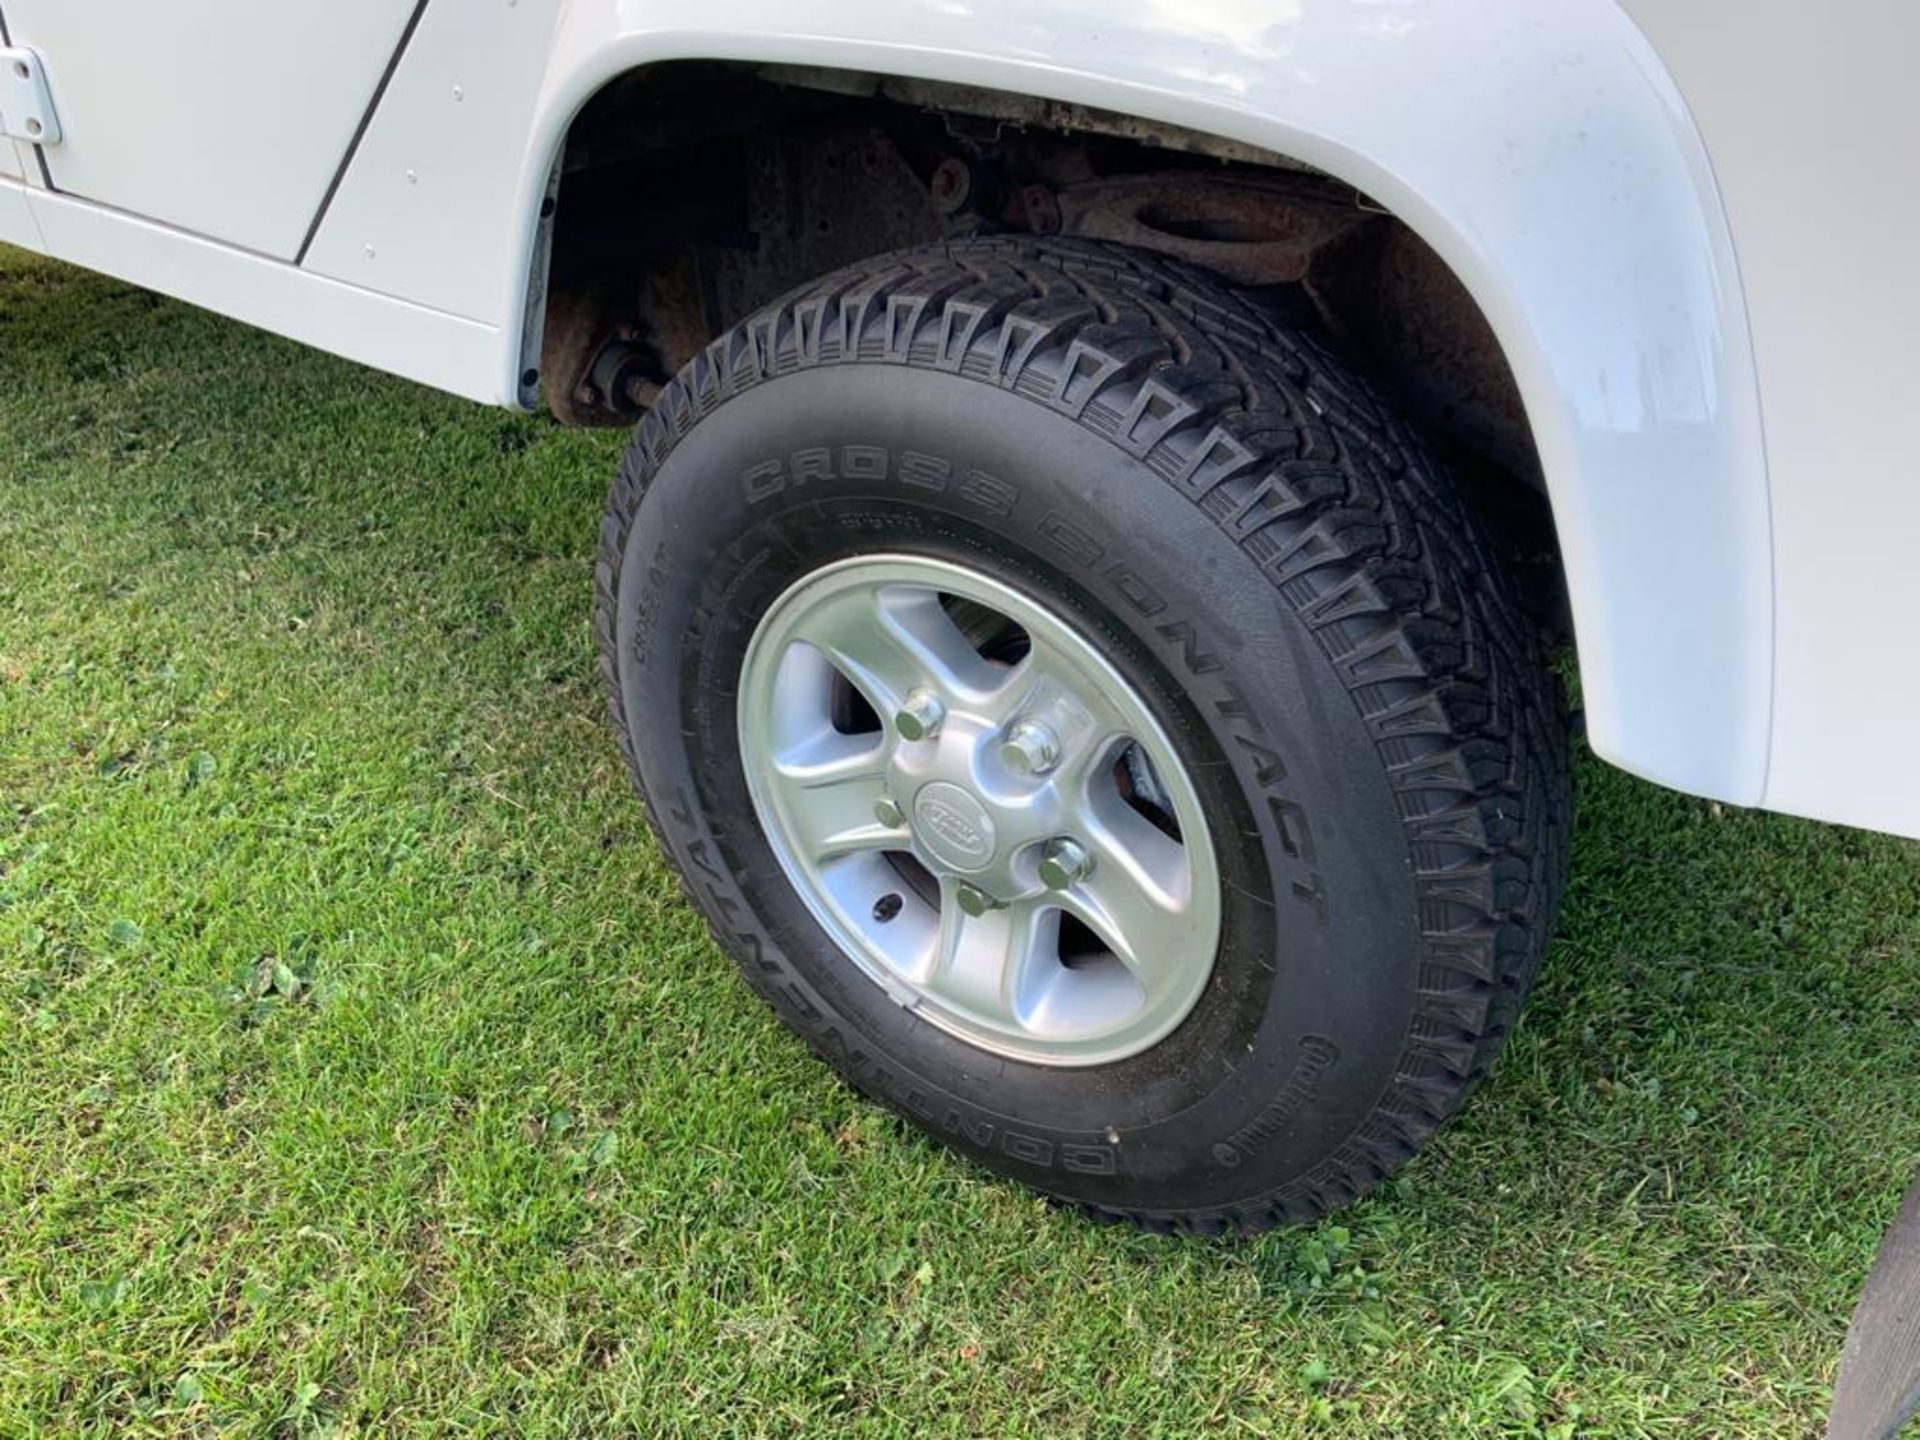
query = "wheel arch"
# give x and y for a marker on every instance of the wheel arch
(1549, 161)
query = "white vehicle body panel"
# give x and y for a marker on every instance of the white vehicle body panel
(1542, 149)
(16, 220)
(1567, 188)
(1815, 136)
(13, 160)
(223, 117)
(443, 350)
(433, 206)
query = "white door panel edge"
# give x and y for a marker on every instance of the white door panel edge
(447, 143)
(442, 350)
(1809, 116)
(228, 119)
(17, 225)
(13, 157)
(13, 161)
(1540, 148)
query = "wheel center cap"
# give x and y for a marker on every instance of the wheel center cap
(954, 827)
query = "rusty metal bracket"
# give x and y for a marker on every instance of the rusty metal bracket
(1250, 230)
(608, 350)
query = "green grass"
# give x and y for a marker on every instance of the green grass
(362, 1073)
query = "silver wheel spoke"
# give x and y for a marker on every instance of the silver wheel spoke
(1047, 688)
(893, 640)
(1138, 897)
(981, 960)
(833, 802)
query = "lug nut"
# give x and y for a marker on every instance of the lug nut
(1030, 749)
(1064, 863)
(975, 901)
(888, 814)
(920, 717)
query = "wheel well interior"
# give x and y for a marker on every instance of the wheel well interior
(693, 192)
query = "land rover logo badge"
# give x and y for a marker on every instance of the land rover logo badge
(954, 826)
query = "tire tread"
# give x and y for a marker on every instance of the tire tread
(1334, 499)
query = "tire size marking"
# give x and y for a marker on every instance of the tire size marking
(647, 617)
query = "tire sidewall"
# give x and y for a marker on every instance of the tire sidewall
(1308, 1010)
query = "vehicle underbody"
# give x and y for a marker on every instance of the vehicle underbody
(696, 193)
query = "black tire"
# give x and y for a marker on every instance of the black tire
(1278, 563)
